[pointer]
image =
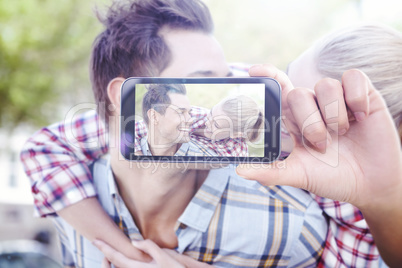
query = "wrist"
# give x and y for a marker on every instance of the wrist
(384, 203)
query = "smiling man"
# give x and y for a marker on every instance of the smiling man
(166, 112)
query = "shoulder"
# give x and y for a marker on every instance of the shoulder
(104, 182)
(99, 167)
(198, 111)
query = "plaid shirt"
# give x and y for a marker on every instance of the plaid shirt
(58, 168)
(230, 222)
(225, 147)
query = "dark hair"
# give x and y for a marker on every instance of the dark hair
(157, 98)
(131, 45)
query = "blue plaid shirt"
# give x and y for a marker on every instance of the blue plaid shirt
(230, 222)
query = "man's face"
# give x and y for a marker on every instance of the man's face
(194, 54)
(174, 126)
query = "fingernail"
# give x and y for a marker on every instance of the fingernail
(360, 116)
(321, 145)
(342, 131)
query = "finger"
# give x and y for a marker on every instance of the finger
(356, 88)
(186, 260)
(308, 118)
(269, 70)
(175, 255)
(330, 98)
(105, 263)
(115, 257)
(286, 172)
(111, 254)
(148, 246)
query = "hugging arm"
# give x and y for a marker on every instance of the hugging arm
(56, 160)
(160, 257)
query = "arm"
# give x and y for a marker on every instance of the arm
(62, 182)
(57, 164)
(89, 219)
(347, 228)
(160, 257)
(56, 160)
(361, 164)
(385, 220)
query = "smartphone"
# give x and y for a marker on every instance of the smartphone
(190, 120)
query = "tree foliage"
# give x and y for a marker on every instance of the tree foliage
(44, 51)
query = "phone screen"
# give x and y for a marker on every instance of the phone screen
(200, 119)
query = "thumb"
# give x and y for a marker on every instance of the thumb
(285, 172)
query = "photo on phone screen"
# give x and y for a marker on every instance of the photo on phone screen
(200, 119)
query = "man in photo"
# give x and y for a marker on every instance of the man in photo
(166, 112)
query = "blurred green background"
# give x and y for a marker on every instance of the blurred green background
(44, 48)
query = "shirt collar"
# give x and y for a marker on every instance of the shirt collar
(113, 190)
(145, 147)
(183, 149)
(201, 209)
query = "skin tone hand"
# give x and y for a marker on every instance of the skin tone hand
(160, 257)
(354, 160)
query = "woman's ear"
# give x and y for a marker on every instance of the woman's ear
(113, 91)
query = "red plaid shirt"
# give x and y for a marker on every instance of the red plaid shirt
(56, 159)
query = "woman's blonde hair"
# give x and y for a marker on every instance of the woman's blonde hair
(374, 49)
(245, 115)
